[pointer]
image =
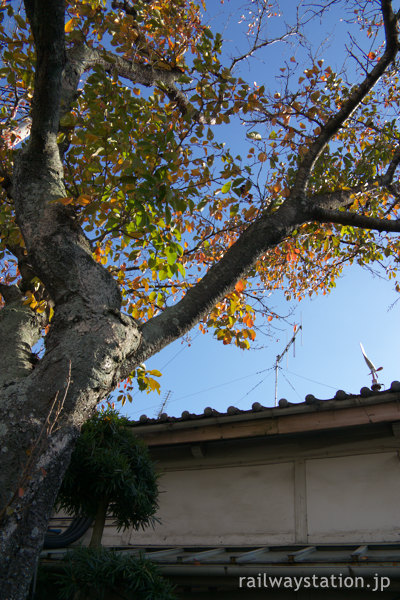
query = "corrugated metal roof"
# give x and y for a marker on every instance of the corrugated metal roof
(313, 556)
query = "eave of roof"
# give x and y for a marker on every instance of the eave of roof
(317, 559)
(344, 410)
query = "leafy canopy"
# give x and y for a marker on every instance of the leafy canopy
(156, 188)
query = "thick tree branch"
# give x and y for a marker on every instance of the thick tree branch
(143, 74)
(259, 237)
(146, 75)
(47, 22)
(387, 179)
(57, 248)
(21, 327)
(326, 215)
(175, 321)
(85, 58)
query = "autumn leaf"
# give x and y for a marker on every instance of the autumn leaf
(84, 199)
(65, 201)
(239, 287)
(248, 320)
(69, 25)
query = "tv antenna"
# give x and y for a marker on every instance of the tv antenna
(164, 403)
(280, 356)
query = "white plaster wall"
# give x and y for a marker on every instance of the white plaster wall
(227, 506)
(336, 499)
(354, 498)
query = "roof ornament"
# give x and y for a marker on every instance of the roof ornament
(373, 371)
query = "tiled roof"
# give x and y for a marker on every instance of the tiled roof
(311, 402)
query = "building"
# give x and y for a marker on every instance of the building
(308, 491)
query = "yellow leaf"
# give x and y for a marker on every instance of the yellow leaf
(41, 307)
(155, 373)
(154, 385)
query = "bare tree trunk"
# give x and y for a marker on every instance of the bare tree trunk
(99, 522)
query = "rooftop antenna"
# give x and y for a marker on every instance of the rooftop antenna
(373, 371)
(280, 356)
(164, 403)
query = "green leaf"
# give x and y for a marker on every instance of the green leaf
(172, 256)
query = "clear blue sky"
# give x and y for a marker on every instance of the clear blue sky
(328, 357)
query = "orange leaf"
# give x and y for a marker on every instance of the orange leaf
(239, 287)
(270, 317)
(84, 199)
(247, 320)
(65, 201)
(21, 492)
(69, 25)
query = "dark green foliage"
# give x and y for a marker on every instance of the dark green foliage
(46, 586)
(105, 574)
(110, 463)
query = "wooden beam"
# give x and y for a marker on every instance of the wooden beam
(301, 422)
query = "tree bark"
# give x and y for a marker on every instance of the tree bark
(20, 329)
